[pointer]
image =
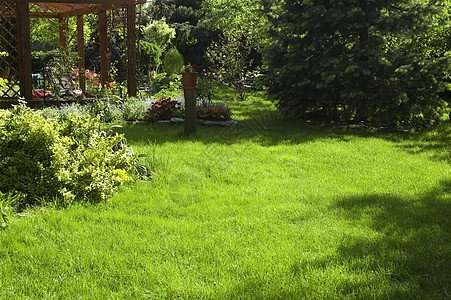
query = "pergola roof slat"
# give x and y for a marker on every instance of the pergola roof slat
(70, 8)
(85, 10)
(117, 2)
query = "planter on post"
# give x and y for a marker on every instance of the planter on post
(189, 84)
(189, 80)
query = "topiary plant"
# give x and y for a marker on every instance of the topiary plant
(173, 61)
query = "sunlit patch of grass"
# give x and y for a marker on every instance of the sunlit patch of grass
(275, 209)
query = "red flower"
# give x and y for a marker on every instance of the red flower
(194, 66)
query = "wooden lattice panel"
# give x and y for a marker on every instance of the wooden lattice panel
(9, 44)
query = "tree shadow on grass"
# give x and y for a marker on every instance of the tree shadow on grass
(437, 141)
(263, 125)
(265, 132)
(258, 121)
(411, 247)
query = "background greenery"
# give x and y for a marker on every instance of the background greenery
(379, 63)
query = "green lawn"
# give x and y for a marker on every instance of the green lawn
(272, 210)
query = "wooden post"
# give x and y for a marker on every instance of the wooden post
(24, 51)
(190, 111)
(132, 83)
(103, 38)
(63, 27)
(81, 53)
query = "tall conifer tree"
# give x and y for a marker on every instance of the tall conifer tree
(352, 60)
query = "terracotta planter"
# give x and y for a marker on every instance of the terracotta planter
(189, 80)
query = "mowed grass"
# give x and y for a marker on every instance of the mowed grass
(275, 209)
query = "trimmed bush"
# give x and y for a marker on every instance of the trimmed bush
(173, 61)
(69, 160)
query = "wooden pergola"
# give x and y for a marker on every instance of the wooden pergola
(63, 9)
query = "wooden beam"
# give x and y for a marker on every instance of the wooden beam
(81, 53)
(33, 15)
(85, 11)
(67, 14)
(132, 82)
(23, 32)
(58, 6)
(103, 39)
(89, 9)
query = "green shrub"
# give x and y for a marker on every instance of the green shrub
(3, 81)
(206, 89)
(69, 160)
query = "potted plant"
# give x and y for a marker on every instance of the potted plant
(189, 77)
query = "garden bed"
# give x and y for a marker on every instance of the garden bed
(40, 103)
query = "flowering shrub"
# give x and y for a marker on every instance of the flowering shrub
(163, 109)
(214, 112)
(50, 159)
(93, 85)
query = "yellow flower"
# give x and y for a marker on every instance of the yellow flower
(122, 174)
(171, 83)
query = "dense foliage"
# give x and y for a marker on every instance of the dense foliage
(357, 61)
(385, 63)
(191, 40)
(67, 160)
(231, 63)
